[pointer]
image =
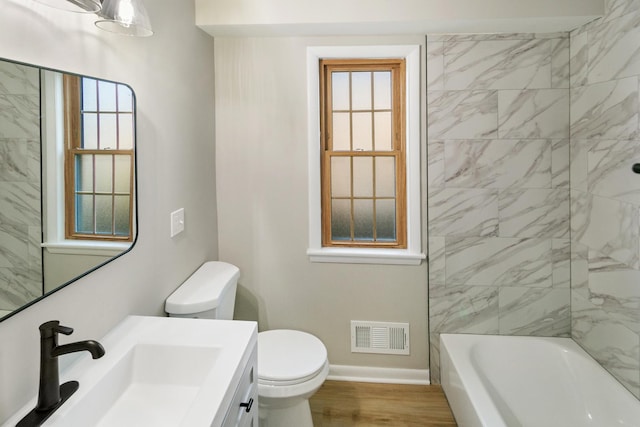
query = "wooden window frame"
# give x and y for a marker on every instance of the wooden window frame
(397, 68)
(73, 146)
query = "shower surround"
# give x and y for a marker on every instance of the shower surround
(20, 213)
(498, 185)
(605, 193)
(534, 213)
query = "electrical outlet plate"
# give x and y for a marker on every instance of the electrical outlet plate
(177, 222)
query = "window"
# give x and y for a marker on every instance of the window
(98, 160)
(363, 155)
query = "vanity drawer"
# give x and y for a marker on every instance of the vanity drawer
(243, 411)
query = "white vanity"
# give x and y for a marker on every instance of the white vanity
(165, 372)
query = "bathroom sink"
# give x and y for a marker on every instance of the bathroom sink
(151, 385)
(157, 371)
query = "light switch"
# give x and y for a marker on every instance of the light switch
(177, 222)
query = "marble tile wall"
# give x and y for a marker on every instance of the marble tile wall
(20, 212)
(498, 185)
(605, 194)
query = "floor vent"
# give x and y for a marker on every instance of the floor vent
(379, 337)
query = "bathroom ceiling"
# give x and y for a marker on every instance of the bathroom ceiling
(385, 17)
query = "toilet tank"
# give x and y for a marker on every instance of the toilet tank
(209, 293)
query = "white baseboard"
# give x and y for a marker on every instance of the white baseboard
(370, 374)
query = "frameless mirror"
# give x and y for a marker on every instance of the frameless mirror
(67, 179)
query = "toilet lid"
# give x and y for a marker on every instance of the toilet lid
(286, 356)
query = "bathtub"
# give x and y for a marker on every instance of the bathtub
(502, 381)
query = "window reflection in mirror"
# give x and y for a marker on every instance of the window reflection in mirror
(67, 179)
(98, 162)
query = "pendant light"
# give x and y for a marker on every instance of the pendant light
(80, 6)
(127, 17)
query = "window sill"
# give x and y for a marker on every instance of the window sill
(365, 256)
(79, 247)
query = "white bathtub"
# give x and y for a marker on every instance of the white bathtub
(502, 381)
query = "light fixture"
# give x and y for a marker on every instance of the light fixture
(127, 17)
(80, 6)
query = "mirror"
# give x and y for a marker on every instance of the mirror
(67, 179)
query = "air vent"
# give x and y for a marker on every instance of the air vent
(379, 337)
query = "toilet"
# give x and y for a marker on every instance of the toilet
(292, 365)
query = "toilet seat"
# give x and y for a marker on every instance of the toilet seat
(288, 357)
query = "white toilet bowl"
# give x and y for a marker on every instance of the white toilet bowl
(292, 365)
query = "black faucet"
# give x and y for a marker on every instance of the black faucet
(51, 394)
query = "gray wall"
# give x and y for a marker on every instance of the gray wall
(20, 254)
(605, 194)
(498, 147)
(261, 143)
(58, 269)
(171, 74)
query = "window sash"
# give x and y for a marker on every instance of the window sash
(396, 150)
(73, 150)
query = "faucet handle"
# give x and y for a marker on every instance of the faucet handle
(53, 327)
(63, 330)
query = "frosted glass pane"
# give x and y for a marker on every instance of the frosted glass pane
(361, 91)
(363, 176)
(121, 219)
(363, 220)
(90, 131)
(125, 131)
(340, 177)
(362, 133)
(84, 213)
(104, 173)
(340, 219)
(386, 220)
(382, 90)
(125, 99)
(382, 123)
(122, 177)
(340, 90)
(84, 173)
(89, 99)
(104, 215)
(385, 177)
(341, 132)
(108, 131)
(106, 96)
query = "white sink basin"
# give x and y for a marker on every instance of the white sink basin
(151, 385)
(157, 372)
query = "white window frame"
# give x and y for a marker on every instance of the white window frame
(412, 255)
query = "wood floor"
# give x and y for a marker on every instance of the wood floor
(344, 404)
